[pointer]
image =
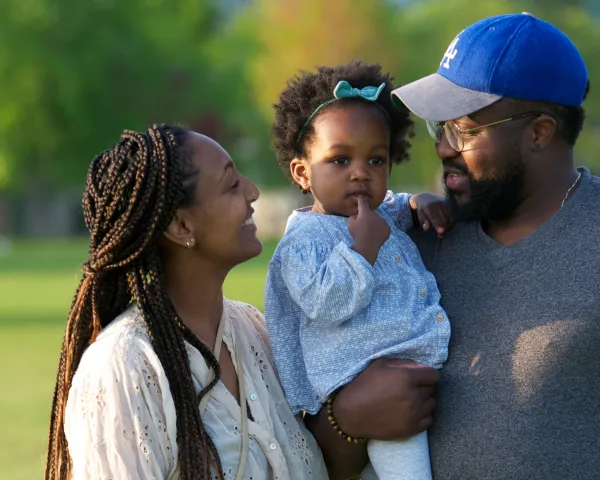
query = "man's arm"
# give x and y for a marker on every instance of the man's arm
(390, 399)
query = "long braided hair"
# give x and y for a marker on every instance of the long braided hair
(131, 195)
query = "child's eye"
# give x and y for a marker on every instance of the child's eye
(340, 161)
(377, 161)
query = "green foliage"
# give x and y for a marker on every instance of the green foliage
(288, 36)
(74, 74)
(409, 41)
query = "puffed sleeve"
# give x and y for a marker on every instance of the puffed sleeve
(397, 206)
(329, 290)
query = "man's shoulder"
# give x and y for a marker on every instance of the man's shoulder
(461, 231)
(593, 191)
(586, 204)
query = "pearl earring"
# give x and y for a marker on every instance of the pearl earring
(190, 243)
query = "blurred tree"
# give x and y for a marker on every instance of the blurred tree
(278, 38)
(426, 28)
(74, 74)
(287, 36)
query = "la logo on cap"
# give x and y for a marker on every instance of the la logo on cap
(450, 52)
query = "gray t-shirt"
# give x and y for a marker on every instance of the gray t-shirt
(519, 396)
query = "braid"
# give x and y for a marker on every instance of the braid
(131, 195)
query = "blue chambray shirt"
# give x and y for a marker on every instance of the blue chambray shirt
(329, 312)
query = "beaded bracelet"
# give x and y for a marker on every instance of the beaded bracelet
(335, 425)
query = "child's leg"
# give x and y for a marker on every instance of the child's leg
(401, 459)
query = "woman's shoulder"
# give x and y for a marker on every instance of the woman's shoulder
(125, 331)
(245, 312)
(122, 347)
(251, 318)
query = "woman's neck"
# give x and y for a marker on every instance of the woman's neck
(196, 290)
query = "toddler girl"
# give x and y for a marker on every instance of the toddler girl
(346, 284)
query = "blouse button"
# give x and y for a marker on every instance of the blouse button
(423, 293)
(273, 446)
(253, 397)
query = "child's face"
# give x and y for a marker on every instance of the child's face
(349, 156)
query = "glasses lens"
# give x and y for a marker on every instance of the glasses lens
(454, 137)
(434, 129)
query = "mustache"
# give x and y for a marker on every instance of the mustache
(455, 164)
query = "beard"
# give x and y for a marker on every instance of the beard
(495, 198)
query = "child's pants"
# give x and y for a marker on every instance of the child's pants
(401, 459)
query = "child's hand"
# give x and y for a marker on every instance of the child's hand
(432, 212)
(368, 230)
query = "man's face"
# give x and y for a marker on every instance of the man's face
(487, 179)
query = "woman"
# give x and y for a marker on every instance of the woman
(144, 389)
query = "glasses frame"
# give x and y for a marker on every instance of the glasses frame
(436, 129)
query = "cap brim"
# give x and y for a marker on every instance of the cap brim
(437, 98)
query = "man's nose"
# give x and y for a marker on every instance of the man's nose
(444, 150)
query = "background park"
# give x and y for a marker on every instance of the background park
(73, 74)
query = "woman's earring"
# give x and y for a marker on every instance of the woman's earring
(190, 242)
(537, 146)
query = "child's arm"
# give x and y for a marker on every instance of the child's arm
(331, 291)
(424, 209)
(430, 210)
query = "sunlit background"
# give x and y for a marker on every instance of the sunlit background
(74, 73)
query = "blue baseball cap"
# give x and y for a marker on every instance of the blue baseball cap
(517, 56)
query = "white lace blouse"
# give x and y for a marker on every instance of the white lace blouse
(121, 422)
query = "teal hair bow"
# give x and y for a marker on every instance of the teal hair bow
(344, 90)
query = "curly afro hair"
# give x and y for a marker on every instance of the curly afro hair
(306, 91)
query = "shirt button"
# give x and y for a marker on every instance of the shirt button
(423, 293)
(398, 259)
(273, 446)
(440, 318)
(253, 397)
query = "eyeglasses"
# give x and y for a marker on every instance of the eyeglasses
(454, 135)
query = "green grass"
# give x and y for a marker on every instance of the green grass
(37, 282)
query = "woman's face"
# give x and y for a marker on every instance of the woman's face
(221, 219)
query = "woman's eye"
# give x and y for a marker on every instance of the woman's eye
(235, 185)
(340, 161)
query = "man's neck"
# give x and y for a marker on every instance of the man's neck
(545, 199)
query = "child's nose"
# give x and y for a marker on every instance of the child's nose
(360, 173)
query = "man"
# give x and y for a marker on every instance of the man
(519, 397)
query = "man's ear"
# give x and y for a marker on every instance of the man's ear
(180, 230)
(300, 171)
(544, 129)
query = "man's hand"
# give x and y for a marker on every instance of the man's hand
(368, 230)
(432, 212)
(390, 399)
